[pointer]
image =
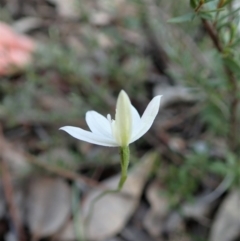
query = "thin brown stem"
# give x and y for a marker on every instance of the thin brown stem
(6, 147)
(233, 123)
(8, 191)
(199, 6)
(213, 35)
(62, 172)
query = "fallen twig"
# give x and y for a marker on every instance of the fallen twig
(8, 191)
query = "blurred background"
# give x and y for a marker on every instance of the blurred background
(61, 58)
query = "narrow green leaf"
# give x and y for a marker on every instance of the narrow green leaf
(232, 65)
(194, 3)
(184, 18)
(205, 15)
(227, 2)
(212, 10)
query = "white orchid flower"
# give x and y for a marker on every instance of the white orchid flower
(127, 127)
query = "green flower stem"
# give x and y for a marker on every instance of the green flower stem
(125, 154)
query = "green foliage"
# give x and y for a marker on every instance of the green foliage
(219, 81)
(183, 181)
(184, 18)
(222, 26)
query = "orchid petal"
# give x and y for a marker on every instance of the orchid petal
(135, 120)
(89, 136)
(147, 118)
(98, 124)
(123, 120)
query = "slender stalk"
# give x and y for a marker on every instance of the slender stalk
(233, 93)
(199, 5)
(8, 192)
(124, 153)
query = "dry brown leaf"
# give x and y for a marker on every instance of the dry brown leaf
(67, 8)
(52, 103)
(14, 158)
(132, 36)
(27, 24)
(159, 209)
(59, 156)
(117, 8)
(197, 210)
(174, 94)
(77, 45)
(226, 225)
(100, 18)
(112, 211)
(115, 239)
(48, 205)
(67, 233)
(2, 203)
(110, 5)
(159, 220)
(104, 40)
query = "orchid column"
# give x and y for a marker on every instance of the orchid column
(127, 127)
